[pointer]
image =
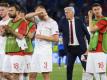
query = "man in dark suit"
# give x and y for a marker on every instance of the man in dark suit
(75, 34)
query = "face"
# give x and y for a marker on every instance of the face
(69, 13)
(97, 11)
(42, 13)
(12, 12)
(22, 14)
(3, 11)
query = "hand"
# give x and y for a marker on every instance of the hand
(84, 56)
(90, 13)
(6, 27)
(37, 12)
(40, 11)
(2, 31)
(19, 36)
(30, 35)
(86, 53)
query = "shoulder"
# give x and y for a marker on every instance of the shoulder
(52, 21)
(23, 23)
(103, 22)
(63, 22)
(78, 19)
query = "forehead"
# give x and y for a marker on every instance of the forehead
(11, 8)
(2, 7)
(67, 10)
(96, 7)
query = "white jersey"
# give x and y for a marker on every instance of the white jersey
(37, 20)
(2, 44)
(4, 22)
(3, 39)
(47, 28)
(42, 56)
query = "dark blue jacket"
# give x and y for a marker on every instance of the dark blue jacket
(81, 33)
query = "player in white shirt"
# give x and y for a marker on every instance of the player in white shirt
(96, 59)
(47, 32)
(33, 17)
(4, 21)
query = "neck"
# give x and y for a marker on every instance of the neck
(98, 17)
(16, 18)
(6, 17)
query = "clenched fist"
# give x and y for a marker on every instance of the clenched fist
(2, 30)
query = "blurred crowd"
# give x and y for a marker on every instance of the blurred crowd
(55, 7)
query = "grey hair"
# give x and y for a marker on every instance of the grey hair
(71, 8)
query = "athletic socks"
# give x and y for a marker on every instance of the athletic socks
(87, 76)
(103, 76)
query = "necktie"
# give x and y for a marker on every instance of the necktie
(71, 27)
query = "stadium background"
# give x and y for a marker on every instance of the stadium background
(55, 10)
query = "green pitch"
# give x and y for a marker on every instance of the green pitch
(60, 74)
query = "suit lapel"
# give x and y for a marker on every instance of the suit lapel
(76, 28)
(67, 26)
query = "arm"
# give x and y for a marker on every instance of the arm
(53, 38)
(87, 33)
(30, 35)
(92, 27)
(18, 35)
(84, 28)
(30, 16)
(31, 32)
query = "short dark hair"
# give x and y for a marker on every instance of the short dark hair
(96, 5)
(4, 4)
(16, 6)
(40, 5)
(23, 10)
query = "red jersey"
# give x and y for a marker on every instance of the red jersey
(102, 24)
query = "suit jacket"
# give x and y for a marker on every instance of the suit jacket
(81, 33)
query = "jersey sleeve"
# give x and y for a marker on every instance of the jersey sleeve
(55, 28)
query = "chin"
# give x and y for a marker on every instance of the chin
(67, 18)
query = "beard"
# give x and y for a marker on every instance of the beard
(12, 16)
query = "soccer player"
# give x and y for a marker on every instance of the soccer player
(31, 29)
(29, 37)
(18, 44)
(33, 17)
(4, 21)
(46, 33)
(96, 61)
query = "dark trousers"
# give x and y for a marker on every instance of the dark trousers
(73, 52)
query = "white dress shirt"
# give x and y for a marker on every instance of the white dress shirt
(75, 41)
